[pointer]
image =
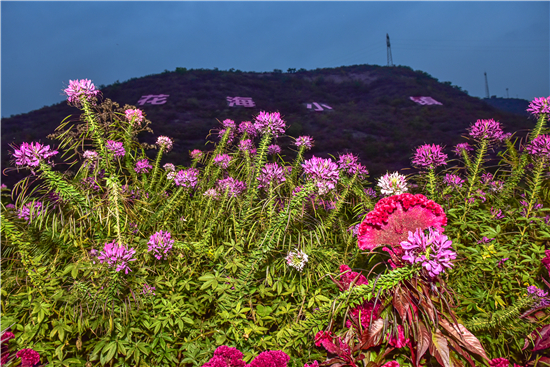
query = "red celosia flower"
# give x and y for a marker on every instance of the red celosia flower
(499, 362)
(314, 364)
(364, 313)
(7, 336)
(348, 277)
(28, 357)
(391, 364)
(270, 358)
(399, 341)
(393, 217)
(546, 261)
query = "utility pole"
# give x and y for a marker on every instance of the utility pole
(388, 45)
(486, 86)
(507, 95)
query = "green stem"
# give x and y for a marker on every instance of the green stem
(431, 183)
(534, 192)
(340, 201)
(474, 174)
(155, 169)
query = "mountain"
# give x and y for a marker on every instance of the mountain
(371, 112)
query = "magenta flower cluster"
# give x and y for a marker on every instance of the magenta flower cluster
(80, 89)
(160, 244)
(271, 173)
(116, 148)
(91, 157)
(271, 123)
(195, 154)
(349, 163)
(539, 106)
(117, 256)
(148, 290)
(539, 147)
(273, 149)
(429, 156)
(433, 251)
(166, 142)
(222, 160)
(304, 141)
(231, 186)
(142, 166)
(453, 180)
(134, 116)
(462, 147)
(323, 172)
(187, 178)
(31, 210)
(245, 145)
(487, 130)
(228, 124)
(169, 167)
(29, 357)
(225, 356)
(30, 155)
(248, 128)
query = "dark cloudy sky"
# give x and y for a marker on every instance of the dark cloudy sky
(46, 44)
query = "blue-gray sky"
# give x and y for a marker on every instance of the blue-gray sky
(46, 44)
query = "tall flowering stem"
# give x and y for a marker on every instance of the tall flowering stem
(97, 131)
(219, 148)
(474, 173)
(65, 189)
(155, 168)
(340, 202)
(431, 183)
(296, 167)
(535, 188)
(259, 162)
(114, 202)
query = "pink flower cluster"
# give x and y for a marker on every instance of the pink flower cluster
(453, 180)
(433, 251)
(169, 167)
(248, 128)
(160, 244)
(232, 186)
(539, 147)
(335, 345)
(304, 141)
(323, 172)
(461, 147)
(225, 356)
(134, 116)
(271, 173)
(398, 341)
(487, 130)
(539, 106)
(116, 148)
(90, 157)
(271, 123)
(148, 290)
(196, 154)
(187, 178)
(79, 89)
(31, 210)
(429, 156)
(166, 142)
(245, 145)
(4, 339)
(349, 164)
(273, 149)
(30, 155)
(117, 255)
(228, 124)
(143, 166)
(392, 217)
(546, 261)
(222, 160)
(29, 357)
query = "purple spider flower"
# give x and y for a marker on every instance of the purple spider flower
(79, 89)
(461, 147)
(32, 154)
(31, 210)
(117, 255)
(187, 178)
(91, 157)
(166, 142)
(497, 214)
(349, 163)
(248, 128)
(273, 149)
(134, 116)
(487, 129)
(486, 178)
(212, 193)
(143, 166)
(169, 167)
(222, 160)
(370, 192)
(116, 148)
(304, 141)
(433, 251)
(539, 147)
(196, 154)
(539, 106)
(323, 172)
(429, 156)
(271, 173)
(453, 180)
(160, 244)
(496, 186)
(148, 290)
(231, 186)
(270, 123)
(245, 145)
(228, 124)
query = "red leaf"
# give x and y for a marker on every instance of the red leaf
(440, 348)
(423, 342)
(399, 302)
(542, 338)
(464, 338)
(461, 351)
(372, 336)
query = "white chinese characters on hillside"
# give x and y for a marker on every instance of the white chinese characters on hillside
(318, 106)
(153, 99)
(425, 100)
(240, 101)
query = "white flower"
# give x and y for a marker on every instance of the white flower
(297, 259)
(393, 184)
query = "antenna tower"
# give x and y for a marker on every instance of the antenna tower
(486, 86)
(390, 61)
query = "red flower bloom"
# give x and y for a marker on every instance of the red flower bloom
(29, 357)
(393, 217)
(348, 277)
(546, 261)
(391, 364)
(499, 362)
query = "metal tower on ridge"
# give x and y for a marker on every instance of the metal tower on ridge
(486, 86)
(390, 61)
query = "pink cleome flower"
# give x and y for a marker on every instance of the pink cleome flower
(349, 164)
(195, 154)
(30, 155)
(169, 167)
(487, 130)
(165, 142)
(248, 128)
(31, 210)
(273, 149)
(116, 148)
(222, 160)
(134, 116)
(462, 147)
(453, 180)
(117, 255)
(539, 106)
(143, 166)
(393, 217)
(271, 173)
(245, 145)
(323, 172)
(29, 357)
(270, 123)
(232, 186)
(79, 89)
(160, 244)
(539, 147)
(187, 178)
(228, 124)
(304, 141)
(429, 156)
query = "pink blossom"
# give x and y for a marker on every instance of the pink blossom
(270, 358)
(32, 154)
(349, 164)
(166, 142)
(248, 128)
(222, 160)
(169, 167)
(487, 129)
(499, 362)
(399, 341)
(539, 106)
(117, 255)
(228, 124)
(392, 184)
(160, 244)
(304, 141)
(148, 290)
(270, 123)
(212, 193)
(245, 145)
(323, 172)
(539, 147)
(81, 89)
(116, 148)
(546, 261)
(462, 147)
(231, 186)
(349, 278)
(429, 156)
(187, 178)
(196, 154)
(31, 210)
(273, 149)
(391, 364)
(453, 180)
(134, 116)
(271, 173)
(143, 166)
(314, 364)
(29, 357)
(225, 356)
